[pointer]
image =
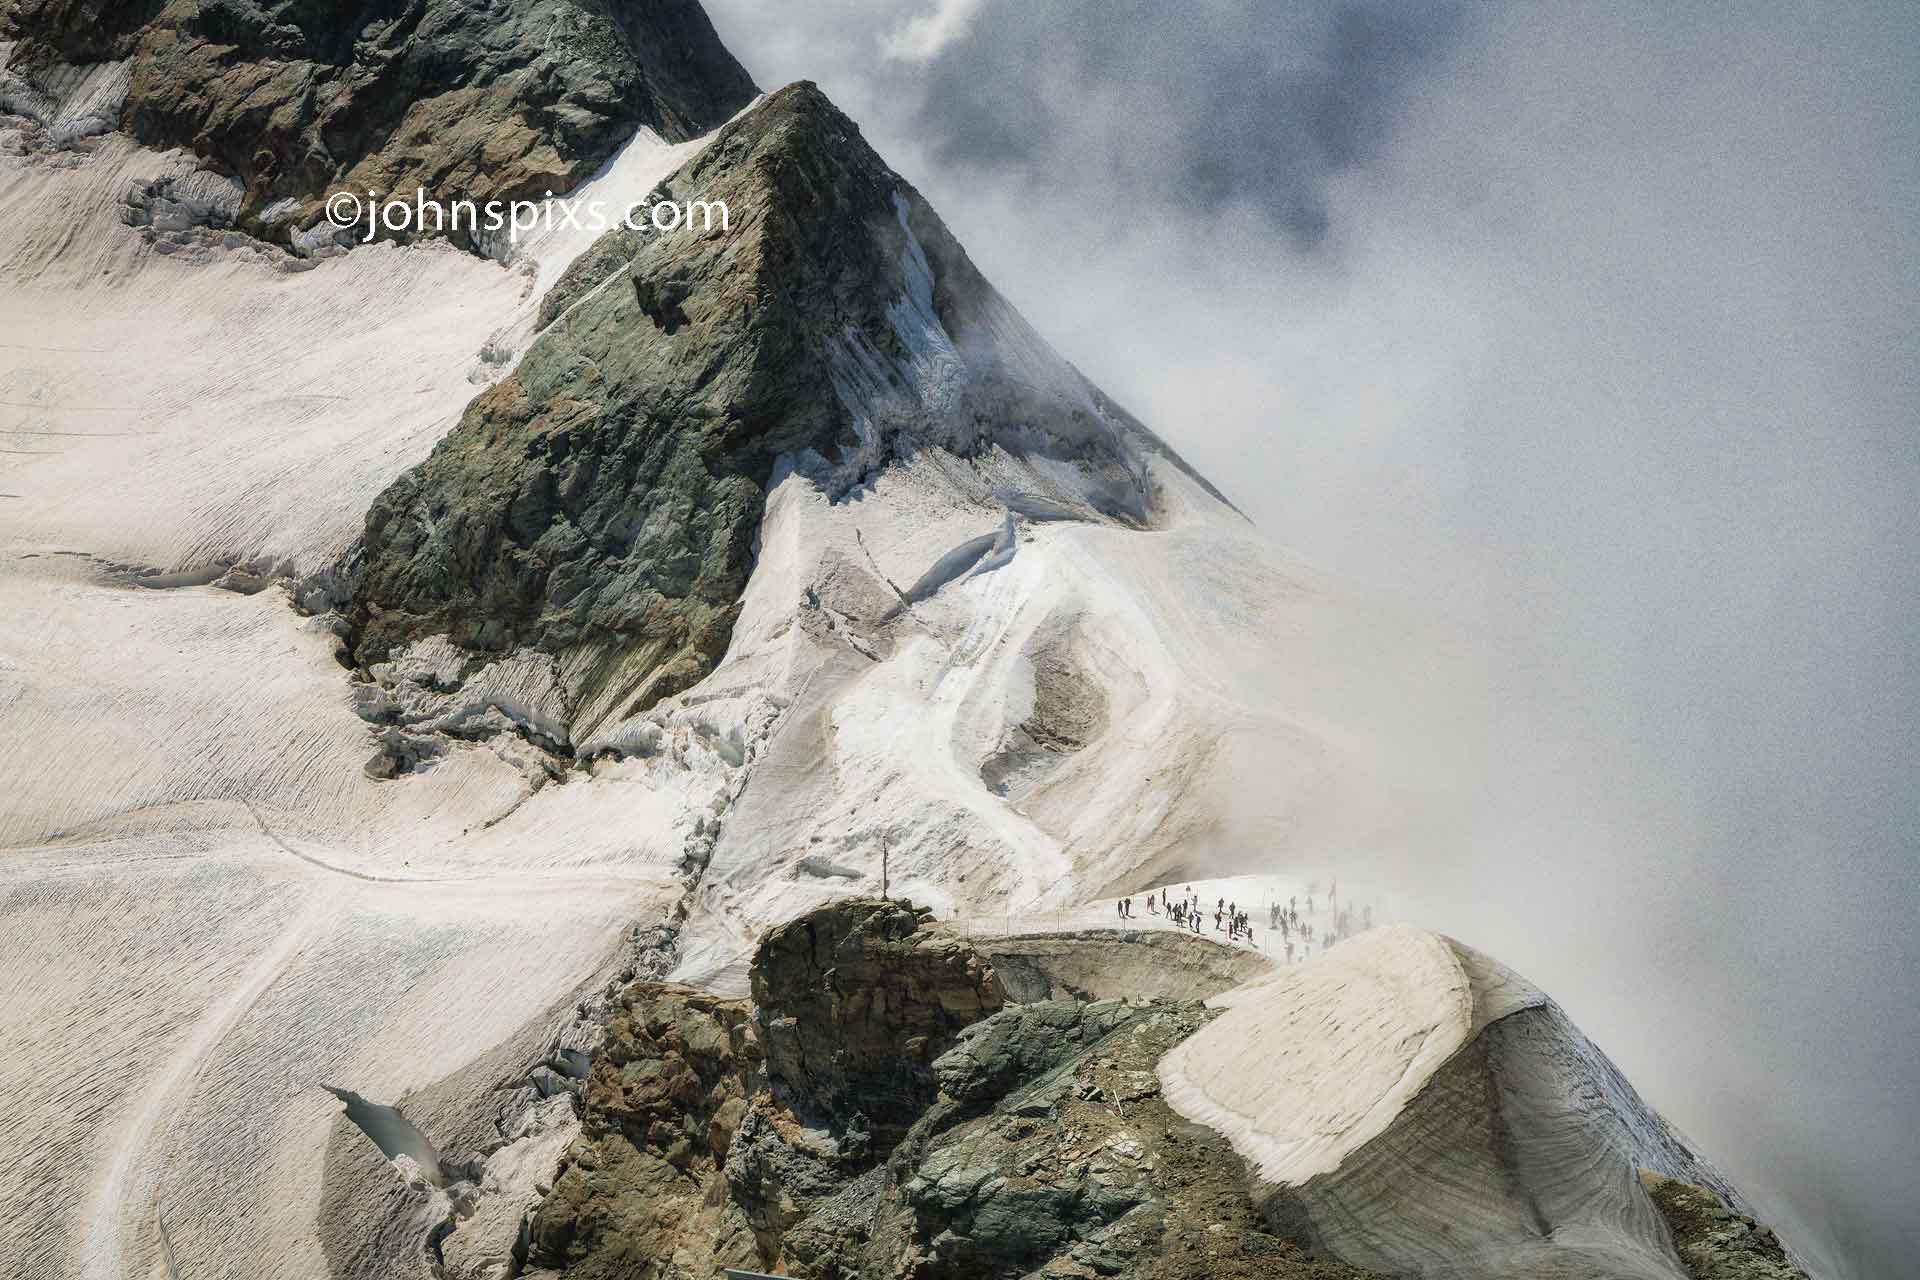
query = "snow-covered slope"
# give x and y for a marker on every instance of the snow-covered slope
(1416, 1108)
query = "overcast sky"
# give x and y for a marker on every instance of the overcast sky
(1593, 328)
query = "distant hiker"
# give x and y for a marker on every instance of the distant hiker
(1289, 953)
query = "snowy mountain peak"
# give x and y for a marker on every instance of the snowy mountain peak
(599, 505)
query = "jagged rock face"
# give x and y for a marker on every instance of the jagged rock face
(990, 1058)
(77, 31)
(645, 1187)
(1099, 964)
(476, 99)
(601, 501)
(712, 1129)
(855, 1001)
(1034, 1141)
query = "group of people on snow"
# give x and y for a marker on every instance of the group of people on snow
(1188, 912)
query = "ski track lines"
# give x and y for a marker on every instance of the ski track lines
(99, 977)
(172, 1027)
(122, 1198)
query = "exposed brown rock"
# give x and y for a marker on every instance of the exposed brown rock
(644, 1193)
(1026, 1140)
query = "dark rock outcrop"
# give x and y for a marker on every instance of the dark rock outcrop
(1098, 964)
(600, 502)
(711, 1128)
(473, 99)
(992, 1058)
(855, 1002)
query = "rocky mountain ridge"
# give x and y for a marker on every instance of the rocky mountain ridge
(466, 99)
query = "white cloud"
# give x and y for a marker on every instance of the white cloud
(920, 39)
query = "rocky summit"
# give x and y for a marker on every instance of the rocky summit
(877, 1111)
(466, 99)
